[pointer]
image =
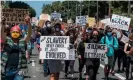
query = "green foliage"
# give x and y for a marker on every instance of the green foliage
(22, 5)
(71, 9)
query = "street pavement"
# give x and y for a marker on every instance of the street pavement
(35, 71)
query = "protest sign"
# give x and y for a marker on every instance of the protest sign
(91, 21)
(81, 20)
(72, 54)
(14, 16)
(54, 47)
(55, 16)
(93, 50)
(44, 17)
(120, 22)
(124, 39)
(34, 19)
(41, 23)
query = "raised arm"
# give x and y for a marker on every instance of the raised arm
(27, 20)
(3, 34)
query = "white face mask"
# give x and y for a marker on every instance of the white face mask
(57, 29)
(48, 25)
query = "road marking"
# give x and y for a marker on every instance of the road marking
(116, 74)
(33, 63)
(34, 76)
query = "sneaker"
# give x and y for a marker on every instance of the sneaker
(45, 74)
(65, 75)
(72, 76)
(113, 73)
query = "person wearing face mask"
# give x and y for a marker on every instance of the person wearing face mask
(13, 62)
(112, 44)
(81, 51)
(92, 64)
(118, 54)
(70, 63)
(55, 66)
(45, 31)
(129, 57)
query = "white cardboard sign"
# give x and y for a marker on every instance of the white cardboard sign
(56, 16)
(54, 47)
(120, 22)
(93, 50)
(124, 39)
(81, 20)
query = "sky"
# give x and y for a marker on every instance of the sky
(37, 5)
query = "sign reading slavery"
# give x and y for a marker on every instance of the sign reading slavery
(120, 22)
(54, 47)
(93, 50)
(81, 20)
(14, 16)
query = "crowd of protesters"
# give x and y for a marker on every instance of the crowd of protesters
(17, 43)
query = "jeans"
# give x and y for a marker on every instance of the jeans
(45, 66)
(12, 74)
(71, 64)
(14, 77)
(129, 64)
(92, 70)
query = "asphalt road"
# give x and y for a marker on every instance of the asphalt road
(35, 71)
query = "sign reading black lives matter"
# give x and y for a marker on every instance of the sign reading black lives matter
(120, 22)
(93, 50)
(54, 47)
(14, 16)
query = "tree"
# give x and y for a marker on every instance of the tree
(22, 5)
(71, 9)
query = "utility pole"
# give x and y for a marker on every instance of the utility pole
(80, 8)
(97, 12)
(129, 8)
(88, 8)
(76, 8)
(109, 11)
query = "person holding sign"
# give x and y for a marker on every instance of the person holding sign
(81, 51)
(55, 66)
(128, 49)
(112, 44)
(70, 63)
(14, 61)
(92, 64)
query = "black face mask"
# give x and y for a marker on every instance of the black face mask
(95, 36)
(49, 30)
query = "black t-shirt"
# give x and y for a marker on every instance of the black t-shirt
(45, 31)
(13, 57)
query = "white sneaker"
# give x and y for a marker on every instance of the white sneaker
(72, 75)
